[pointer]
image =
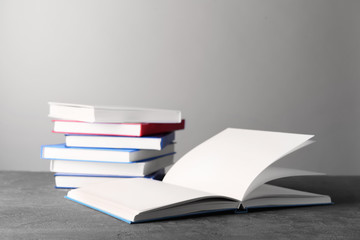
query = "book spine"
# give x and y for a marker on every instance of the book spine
(41, 151)
(167, 140)
(150, 129)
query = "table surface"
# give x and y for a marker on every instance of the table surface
(30, 208)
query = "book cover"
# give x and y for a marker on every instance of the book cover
(153, 142)
(113, 114)
(75, 180)
(140, 169)
(121, 155)
(115, 129)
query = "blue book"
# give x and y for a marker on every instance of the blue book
(115, 155)
(76, 180)
(140, 168)
(156, 142)
(227, 172)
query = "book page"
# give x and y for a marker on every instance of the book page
(129, 197)
(229, 162)
(272, 173)
(270, 196)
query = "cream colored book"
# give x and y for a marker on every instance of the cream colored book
(227, 172)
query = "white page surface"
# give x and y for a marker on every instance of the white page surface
(227, 163)
(128, 197)
(272, 173)
(268, 195)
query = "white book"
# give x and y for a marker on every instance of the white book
(228, 172)
(124, 155)
(109, 114)
(75, 180)
(157, 142)
(139, 169)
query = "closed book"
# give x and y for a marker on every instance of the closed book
(62, 152)
(115, 129)
(139, 169)
(156, 142)
(75, 180)
(91, 113)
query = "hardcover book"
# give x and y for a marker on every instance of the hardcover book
(115, 129)
(89, 113)
(75, 180)
(156, 142)
(62, 152)
(228, 172)
(138, 169)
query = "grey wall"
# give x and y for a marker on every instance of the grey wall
(280, 65)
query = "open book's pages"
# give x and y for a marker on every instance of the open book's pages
(111, 168)
(115, 129)
(142, 199)
(232, 159)
(273, 196)
(76, 180)
(226, 172)
(89, 113)
(61, 152)
(156, 142)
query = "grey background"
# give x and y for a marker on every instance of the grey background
(280, 65)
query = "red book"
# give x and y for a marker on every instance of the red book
(115, 129)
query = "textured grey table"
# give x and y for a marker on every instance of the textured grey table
(30, 208)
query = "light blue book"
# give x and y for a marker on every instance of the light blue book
(140, 168)
(76, 180)
(115, 155)
(156, 142)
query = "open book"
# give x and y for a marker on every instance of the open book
(226, 172)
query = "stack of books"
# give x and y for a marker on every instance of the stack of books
(103, 143)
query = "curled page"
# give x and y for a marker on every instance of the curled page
(272, 173)
(229, 162)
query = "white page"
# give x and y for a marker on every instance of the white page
(227, 163)
(268, 195)
(271, 191)
(128, 197)
(272, 173)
